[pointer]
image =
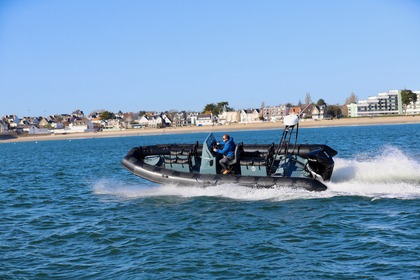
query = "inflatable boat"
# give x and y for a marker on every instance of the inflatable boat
(286, 164)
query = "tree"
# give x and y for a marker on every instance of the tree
(216, 109)
(352, 98)
(128, 117)
(209, 108)
(334, 111)
(223, 104)
(106, 115)
(308, 99)
(407, 97)
(321, 102)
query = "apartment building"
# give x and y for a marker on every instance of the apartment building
(385, 103)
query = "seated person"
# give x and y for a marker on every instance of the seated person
(228, 152)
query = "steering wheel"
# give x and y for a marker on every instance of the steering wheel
(214, 145)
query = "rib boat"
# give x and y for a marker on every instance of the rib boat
(286, 164)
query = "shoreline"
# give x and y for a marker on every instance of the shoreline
(363, 121)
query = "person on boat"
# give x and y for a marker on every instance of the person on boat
(228, 152)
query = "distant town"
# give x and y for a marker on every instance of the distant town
(393, 102)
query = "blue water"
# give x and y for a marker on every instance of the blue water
(68, 210)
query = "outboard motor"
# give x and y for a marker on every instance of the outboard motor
(321, 163)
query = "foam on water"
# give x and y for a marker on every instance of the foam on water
(391, 174)
(107, 187)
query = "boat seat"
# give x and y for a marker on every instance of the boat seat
(257, 162)
(179, 159)
(181, 152)
(257, 158)
(169, 159)
(253, 162)
(176, 159)
(254, 158)
(237, 154)
(179, 156)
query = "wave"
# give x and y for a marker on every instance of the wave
(231, 191)
(391, 174)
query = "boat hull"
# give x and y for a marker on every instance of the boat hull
(166, 176)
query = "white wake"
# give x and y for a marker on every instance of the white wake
(391, 174)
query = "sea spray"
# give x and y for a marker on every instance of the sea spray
(390, 173)
(231, 191)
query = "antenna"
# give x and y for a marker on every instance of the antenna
(306, 107)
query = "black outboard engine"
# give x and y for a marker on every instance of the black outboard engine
(321, 163)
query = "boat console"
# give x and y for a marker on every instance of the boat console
(208, 158)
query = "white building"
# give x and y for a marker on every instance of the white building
(84, 125)
(192, 118)
(204, 119)
(226, 117)
(385, 103)
(3, 127)
(318, 112)
(414, 108)
(113, 124)
(34, 130)
(250, 116)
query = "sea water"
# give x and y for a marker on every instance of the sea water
(69, 210)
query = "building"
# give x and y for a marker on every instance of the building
(34, 130)
(204, 119)
(274, 113)
(112, 124)
(250, 116)
(178, 119)
(385, 103)
(12, 121)
(295, 110)
(4, 128)
(318, 112)
(143, 121)
(226, 117)
(83, 125)
(414, 108)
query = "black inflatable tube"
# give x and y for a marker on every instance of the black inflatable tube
(165, 176)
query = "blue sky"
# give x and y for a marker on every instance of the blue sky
(133, 55)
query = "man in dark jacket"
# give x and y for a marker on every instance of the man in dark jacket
(228, 152)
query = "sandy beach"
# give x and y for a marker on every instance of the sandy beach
(224, 128)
